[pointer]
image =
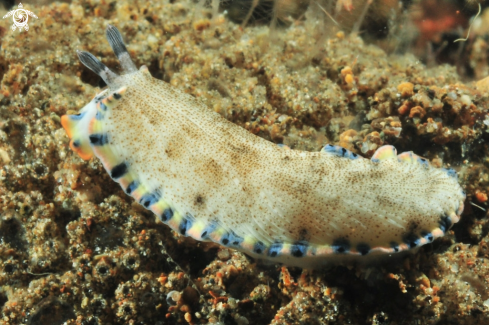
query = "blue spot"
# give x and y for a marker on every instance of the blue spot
(363, 249)
(445, 223)
(299, 249)
(98, 139)
(235, 239)
(427, 235)
(166, 215)
(103, 106)
(184, 226)
(118, 171)
(132, 187)
(275, 249)
(225, 239)
(341, 246)
(77, 117)
(339, 151)
(329, 149)
(395, 246)
(117, 96)
(259, 248)
(149, 199)
(209, 229)
(451, 173)
(411, 239)
(423, 162)
(76, 143)
(99, 116)
(231, 239)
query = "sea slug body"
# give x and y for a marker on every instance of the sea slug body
(214, 181)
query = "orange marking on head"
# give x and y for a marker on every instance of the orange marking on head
(67, 125)
(90, 125)
(84, 154)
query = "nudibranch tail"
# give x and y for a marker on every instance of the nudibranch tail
(214, 181)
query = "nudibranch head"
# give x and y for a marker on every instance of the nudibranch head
(214, 181)
(77, 125)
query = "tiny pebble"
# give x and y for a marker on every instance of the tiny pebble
(4, 156)
(224, 254)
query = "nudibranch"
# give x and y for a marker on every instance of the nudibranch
(212, 180)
